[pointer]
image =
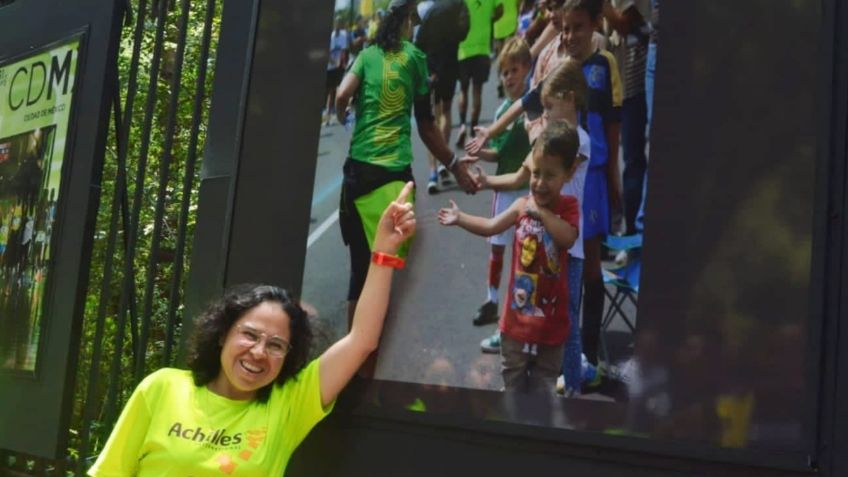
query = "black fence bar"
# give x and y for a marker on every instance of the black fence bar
(164, 177)
(123, 137)
(100, 320)
(188, 180)
(119, 202)
(141, 170)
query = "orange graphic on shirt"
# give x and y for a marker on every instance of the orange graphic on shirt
(227, 465)
(254, 440)
(256, 437)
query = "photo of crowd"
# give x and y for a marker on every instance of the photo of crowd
(553, 115)
(27, 213)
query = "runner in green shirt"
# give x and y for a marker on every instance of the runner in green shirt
(504, 29)
(508, 22)
(384, 104)
(388, 79)
(474, 62)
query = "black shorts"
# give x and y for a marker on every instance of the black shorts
(444, 88)
(334, 78)
(360, 256)
(445, 66)
(474, 69)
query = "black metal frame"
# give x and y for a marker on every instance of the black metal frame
(833, 170)
(38, 408)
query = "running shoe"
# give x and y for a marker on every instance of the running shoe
(487, 313)
(444, 174)
(492, 344)
(433, 184)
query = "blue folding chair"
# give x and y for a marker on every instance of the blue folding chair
(623, 242)
(625, 281)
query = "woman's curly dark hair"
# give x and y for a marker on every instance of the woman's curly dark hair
(389, 33)
(214, 324)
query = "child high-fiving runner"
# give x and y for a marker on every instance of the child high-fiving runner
(535, 321)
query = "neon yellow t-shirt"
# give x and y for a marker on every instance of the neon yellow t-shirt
(480, 13)
(170, 427)
(508, 22)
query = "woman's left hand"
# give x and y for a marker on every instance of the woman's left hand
(397, 223)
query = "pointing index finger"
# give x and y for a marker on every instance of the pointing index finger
(404, 193)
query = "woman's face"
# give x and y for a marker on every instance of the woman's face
(253, 351)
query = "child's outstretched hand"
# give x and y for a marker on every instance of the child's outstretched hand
(397, 223)
(449, 215)
(481, 135)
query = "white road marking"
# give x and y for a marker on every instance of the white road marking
(314, 236)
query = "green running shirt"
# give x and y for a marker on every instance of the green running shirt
(512, 145)
(389, 83)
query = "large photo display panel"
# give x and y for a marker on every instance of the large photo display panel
(35, 106)
(705, 261)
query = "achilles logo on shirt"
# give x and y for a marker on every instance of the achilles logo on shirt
(215, 437)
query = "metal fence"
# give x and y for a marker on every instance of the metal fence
(146, 218)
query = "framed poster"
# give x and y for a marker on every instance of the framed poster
(722, 363)
(36, 94)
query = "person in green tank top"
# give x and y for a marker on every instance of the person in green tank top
(388, 80)
(474, 62)
(503, 30)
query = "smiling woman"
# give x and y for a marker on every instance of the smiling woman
(251, 395)
(223, 356)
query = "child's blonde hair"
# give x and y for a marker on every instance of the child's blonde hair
(515, 49)
(567, 77)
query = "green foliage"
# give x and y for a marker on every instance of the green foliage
(150, 127)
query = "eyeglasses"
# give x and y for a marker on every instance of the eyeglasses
(249, 337)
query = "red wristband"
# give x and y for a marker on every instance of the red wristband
(387, 260)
